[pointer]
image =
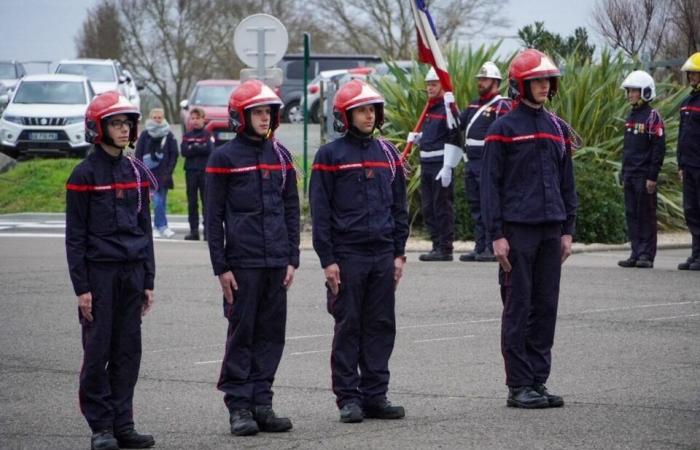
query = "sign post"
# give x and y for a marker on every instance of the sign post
(260, 42)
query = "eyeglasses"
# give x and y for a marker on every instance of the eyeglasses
(118, 123)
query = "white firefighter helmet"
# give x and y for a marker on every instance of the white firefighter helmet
(641, 80)
(432, 75)
(489, 70)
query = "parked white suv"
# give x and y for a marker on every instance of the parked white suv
(104, 74)
(46, 114)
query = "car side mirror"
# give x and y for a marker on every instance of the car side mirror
(4, 99)
(122, 79)
(185, 105)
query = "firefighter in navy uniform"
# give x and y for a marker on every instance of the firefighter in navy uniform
(360, 226)
(642, 156)
(529, 207)
(252, 221)
(474, 122)
(440, 153)
(109, 246)
(689, 159)
(197, 144)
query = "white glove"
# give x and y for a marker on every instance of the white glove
(413, 138)
(445, 176)
(450, 160)
(449, 99)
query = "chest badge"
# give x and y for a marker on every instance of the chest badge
(265, 174)
(369, 173)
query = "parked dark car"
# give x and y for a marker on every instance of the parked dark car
(292, 89)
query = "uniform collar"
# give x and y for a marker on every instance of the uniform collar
(102, 153)
(359, 139)
(485, 98)
(643, 106)
(435, 101)
(529, 109)
(247, 140)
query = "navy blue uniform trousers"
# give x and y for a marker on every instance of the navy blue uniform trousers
(437, 207)
(111, 345)
(365, 328)
(530, 294)
(472, 186)
(640, 212)
(195, 181)
(691, 205)
(255, 338)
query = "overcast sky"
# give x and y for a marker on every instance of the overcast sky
(44, 30)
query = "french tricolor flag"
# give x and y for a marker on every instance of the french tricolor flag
(428, 48)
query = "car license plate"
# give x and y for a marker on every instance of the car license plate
(43, 136)
(225, 136)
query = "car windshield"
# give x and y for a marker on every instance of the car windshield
(94, 72)
(212, 95)
(51, 92)
(7, 71)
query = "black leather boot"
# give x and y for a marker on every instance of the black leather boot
(268, 421)
(525, 397)
(351, 413)
(103, 440)
(383, 410)
(242, 423)
(629, 262)
(554, 400)
(129, 438)
(436, 255)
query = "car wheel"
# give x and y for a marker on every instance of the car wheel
(315, 112)
(293, 112)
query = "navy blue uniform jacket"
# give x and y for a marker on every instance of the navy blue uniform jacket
(356, 206)
(527, 175)
(252, 218)
(435, 133)
(689, 132)
(644, 144)
(474, 140)
(196, 146)
(164, 171)
(102, 221)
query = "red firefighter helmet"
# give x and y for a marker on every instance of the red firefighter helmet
(249, 94)
(104, 105)
(352, 94)
(528, 65)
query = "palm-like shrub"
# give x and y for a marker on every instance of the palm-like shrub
(590, 99)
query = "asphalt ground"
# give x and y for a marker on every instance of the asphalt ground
(626, 358)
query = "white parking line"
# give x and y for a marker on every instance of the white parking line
(214, 361)
(453, 338)
(672, 317)
(309, 352)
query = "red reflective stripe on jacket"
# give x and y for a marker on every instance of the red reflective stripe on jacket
(358, 165)
(227, 170)
(435, 116)
(525, 137)
(106, 187)
(690, 108)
